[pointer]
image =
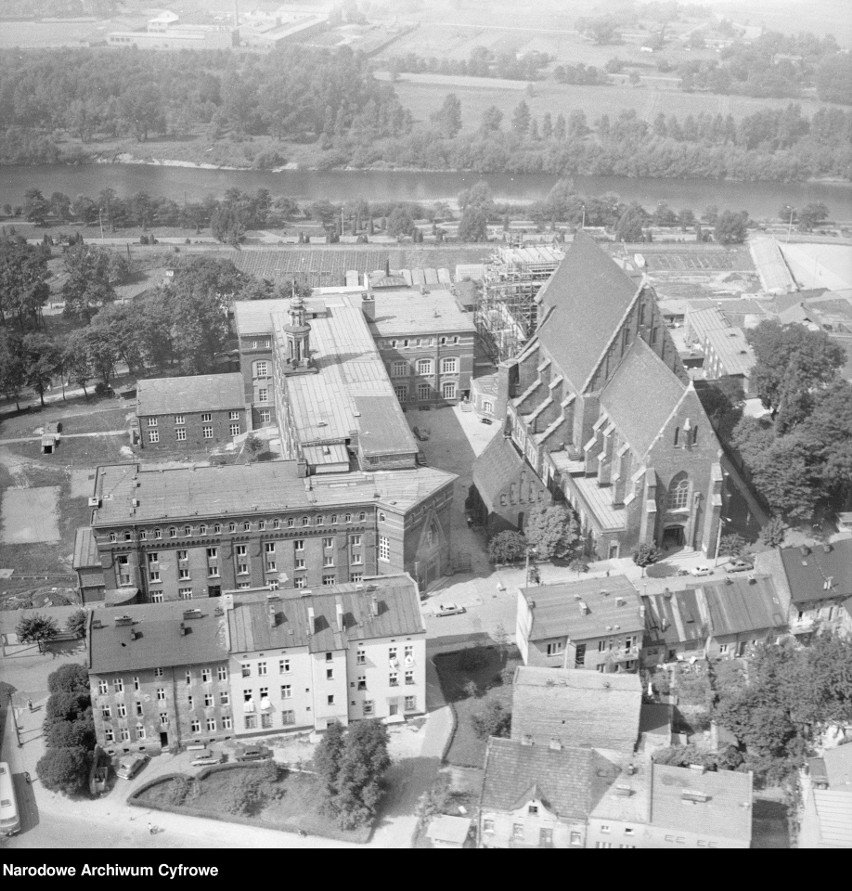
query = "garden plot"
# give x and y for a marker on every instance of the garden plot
(30, 516)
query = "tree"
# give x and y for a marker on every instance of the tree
(64, 769)
(731, 227)
(327, 759)
(507, 547)
(732, 545)
(400, 222)
(812, 215)
(68, 706)
(75, 360)
(491, 719)
(70, 734)
(36, 628)
(645, 554)
(363, 761)
(553, 531)
(521, 118)
(448, 118)
(630, 224)
(473, 225)
(42, 359)
(36, 207)
(69, 678)
(89, 284)
(77, 622)
(12, 366)
(23, 283)
(492, 117)
(772, 534)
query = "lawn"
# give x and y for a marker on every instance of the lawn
(293, 803)
(493, 682)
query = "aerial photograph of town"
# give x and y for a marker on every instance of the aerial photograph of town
(423, 424)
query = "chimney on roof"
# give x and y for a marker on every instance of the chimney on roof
(374, 606)
(271, 614)
(338, 606)
(584, 607)
(828, 583)
(620, 601)
(630, 769)
(182, 629)
(310, 621)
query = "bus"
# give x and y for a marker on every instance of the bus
(10, 821)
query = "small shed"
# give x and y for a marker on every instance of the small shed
(448, 832)
(50, 438)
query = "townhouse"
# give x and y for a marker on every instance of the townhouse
(593, 624)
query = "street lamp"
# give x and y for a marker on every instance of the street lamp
(15, 721)
(583, 221)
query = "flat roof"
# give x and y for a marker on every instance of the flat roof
(557, 608)
(153, 639)
(257, 316)
(186, 493)
(184, 395)
(85, 549)
(407, 311)
(351, 393)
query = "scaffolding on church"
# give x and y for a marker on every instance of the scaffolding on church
(506, 311)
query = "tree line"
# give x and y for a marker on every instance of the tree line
(480, 63)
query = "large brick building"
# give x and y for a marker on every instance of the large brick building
(603, 411)
(193, 532)
(190, 412)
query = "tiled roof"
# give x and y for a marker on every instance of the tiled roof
(834, 811)
(85, 549)
(819, 574)
(565, 779)
(557, 608)
(154, 638)
(838, 767)
(673, 618)
(183, 395)
(197, 493)
(726, 812)
(496, 468)
(738, 605)
(727, 341)
(640, 373)
(397, 605)
(586, 297)
(576, 707)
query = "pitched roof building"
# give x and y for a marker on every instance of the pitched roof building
(570, 707)
(603, 411)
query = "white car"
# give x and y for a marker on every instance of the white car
(701, 570)
(448, 609)
(205, 757)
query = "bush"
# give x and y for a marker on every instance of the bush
(77, 623)
(70, 678)
(507, 547)
(70, 734)
(773, 533)
(36, 629)
(492, 719)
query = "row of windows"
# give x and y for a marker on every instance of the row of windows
(360, 659)
(206, 418)
(180, 433)
(368, 708)
(449, 365)
(206, 674)
(418, 341)
(245, 526)
(208, 700)
(449, 390)
(211, 725)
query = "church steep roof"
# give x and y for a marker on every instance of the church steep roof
(586, 298)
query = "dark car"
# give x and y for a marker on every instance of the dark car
(739, 566)
(254, 753)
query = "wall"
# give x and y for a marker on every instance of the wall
(564, 834)
(219, 425)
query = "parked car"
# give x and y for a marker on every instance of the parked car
(486, 421)
(254, 753)
(449, 609)
(206, 757)
(130, 765)
(739, 565)
(701, 570)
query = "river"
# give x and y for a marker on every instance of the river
(761, 200)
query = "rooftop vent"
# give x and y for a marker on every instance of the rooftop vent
(630, 769)
(604, 593)
(526, 740)
(577, 596)
(134, 634)
(606, 685)
(123, 620)
(623, 790)
(192, 614)
(556, 744)
(688, 795)
(183, 629)
(218, 611)
(584, 607)
(620, 601)
(374, 606)
(94, 502)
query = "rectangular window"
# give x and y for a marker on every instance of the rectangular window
(195, 725)
(263, 394)
(138, 708)
(424, 366)
(109, 735)
(251, 722)
(384, 548)
(424, 391)
(154, 436)
(265, 416)
(299, 544)
(286, 691)
(367, 706)
(156, 596)
(224, 697)
(206, 418)
(179, 419)
(399, 369)
(158, 672)
(328, 579)
(409, 677)
(448, 390)
(410, 703)
(288, 717)
(161, 694)
(331, 699)
(235, 429)
(329, 674)
(362, 682)
(207, 432)
(227, 723)
(152, 422)
(103, 687)
(246, 669)
(300, 582)
(211, 724)
(266, 720)
(261, 668)
(260, 369)
(328, 560)
(208, 700)
(328, 543)
(118, 685)
(106, 712)
(555, 647)
(449, 366)
(180, 434)
(393, 679)
(164, 719)
(222, 673)
(140, 731)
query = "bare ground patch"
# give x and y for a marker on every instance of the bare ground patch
(30, 515)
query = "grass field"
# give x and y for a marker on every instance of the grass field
(422, 99)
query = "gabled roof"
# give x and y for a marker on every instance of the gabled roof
(576, 707)
(673, 618)
(183, 395)
(565, 779)
(640, 375)
(823, 572)
(154, 638)
(397, 614)
(557, 609)
(738, 605)
(498, 467)
(586, 297)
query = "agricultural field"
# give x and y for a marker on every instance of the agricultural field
(424, 97)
